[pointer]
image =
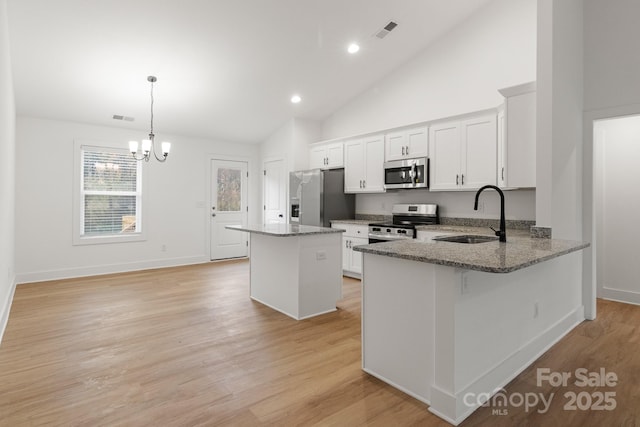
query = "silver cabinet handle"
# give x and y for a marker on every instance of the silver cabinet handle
(346, 244)
(213, 214)
(364, 184)
(407, 150)
(457, 176)
(462, 179)
(403, 151)
(503, 173)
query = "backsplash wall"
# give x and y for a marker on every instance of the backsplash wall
(519, 204)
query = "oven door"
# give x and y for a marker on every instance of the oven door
(410, 173)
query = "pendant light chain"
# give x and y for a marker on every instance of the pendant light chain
(151, 107)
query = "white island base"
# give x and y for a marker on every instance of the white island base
(298, 275)
(453, 337)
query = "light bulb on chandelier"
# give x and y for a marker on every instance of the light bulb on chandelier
(148, 146)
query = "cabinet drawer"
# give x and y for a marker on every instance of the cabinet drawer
(353, 230)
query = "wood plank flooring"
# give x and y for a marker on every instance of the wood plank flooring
(186, 346)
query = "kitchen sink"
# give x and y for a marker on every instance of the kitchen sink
(467, 238)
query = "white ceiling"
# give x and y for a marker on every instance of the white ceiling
(226, 68)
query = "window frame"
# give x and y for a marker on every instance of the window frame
(78, 197)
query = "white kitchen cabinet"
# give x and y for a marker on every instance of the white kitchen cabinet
(326, 155)
(407, 143)
(517, 137)
(353, 236)
(364, 165)
(463, 153)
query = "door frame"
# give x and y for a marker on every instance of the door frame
(210, 158)
(589, 215)
(286, 186)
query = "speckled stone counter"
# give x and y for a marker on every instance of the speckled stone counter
(284, 230)
(518, 252)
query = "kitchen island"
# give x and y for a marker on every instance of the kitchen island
(295, 269)
(452, 323)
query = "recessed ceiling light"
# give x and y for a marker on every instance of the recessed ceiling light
(296, 99)
(353, 48)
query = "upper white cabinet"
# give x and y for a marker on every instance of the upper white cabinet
(407, 143)
(463, 153)
(517, 137)
(326, 155)
(364, 165)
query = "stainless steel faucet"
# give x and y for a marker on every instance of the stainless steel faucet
(502, 233)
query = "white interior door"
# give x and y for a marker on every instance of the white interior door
(228, 207)
(274, 192)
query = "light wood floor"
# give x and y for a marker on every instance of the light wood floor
(186, 346)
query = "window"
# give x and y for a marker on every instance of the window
(109, 196)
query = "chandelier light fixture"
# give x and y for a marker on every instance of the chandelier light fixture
(148, 145)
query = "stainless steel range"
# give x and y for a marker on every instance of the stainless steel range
(403, 225)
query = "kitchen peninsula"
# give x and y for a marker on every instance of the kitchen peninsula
(452, 323)
(295, 269)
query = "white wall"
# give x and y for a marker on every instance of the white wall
(176, 202)
(617, 155)
(559, 118)
(7, 173)
(611, 89)
(611, 65)
(459, 73)
(518, 204)
(290, 142)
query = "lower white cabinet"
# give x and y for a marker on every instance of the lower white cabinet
(353, 236)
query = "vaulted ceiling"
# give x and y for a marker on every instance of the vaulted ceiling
(226, 68)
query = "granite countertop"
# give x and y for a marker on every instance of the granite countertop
(518, 252)
(284, 230)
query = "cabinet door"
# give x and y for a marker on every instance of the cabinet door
(520, 141)
(417, 142)
(317, 157)
(444, 146)
(374, 164)
(502, 149)
(395, 146)
(335, 155)
(346, 254)
(353, 166)
(356, 257)
(479, 149)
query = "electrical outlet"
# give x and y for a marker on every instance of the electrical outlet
(320, 255)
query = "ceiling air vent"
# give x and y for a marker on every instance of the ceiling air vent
(386, 30)
(125, 118)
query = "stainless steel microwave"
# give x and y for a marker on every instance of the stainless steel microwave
(408, 173)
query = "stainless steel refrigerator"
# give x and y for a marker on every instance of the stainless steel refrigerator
(316, 197)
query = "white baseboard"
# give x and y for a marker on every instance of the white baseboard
(500, 375)
(6, 307)
(618, 295)
(68, 273)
